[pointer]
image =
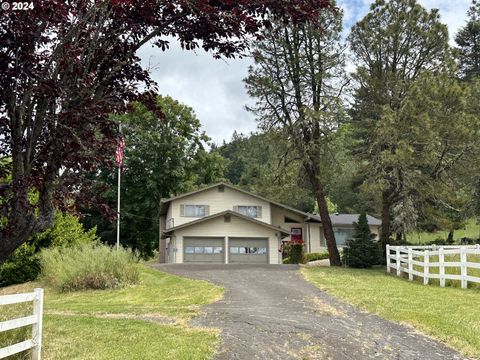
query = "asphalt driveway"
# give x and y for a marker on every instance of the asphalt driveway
(270, 312)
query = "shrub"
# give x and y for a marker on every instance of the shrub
(20, 267)
(88, 266)
(469, 241)
(23, 265)
(294, 253)
(362, 250)
(286, 261)
(315, 256)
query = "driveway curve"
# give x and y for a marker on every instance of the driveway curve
(270, 312)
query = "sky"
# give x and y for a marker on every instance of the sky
(214, 88)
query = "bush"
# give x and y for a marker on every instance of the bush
(88, 266)
(315, 256)
(286, 261)
(469, 241)
(294, 253)
(362, 250)
(20, 267)
(23, 265)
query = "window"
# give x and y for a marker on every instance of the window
(217, 250)
(342, 235)
(248, 250)
(198, 250)
(208, 250)
(250, 211)
(193, 210)
(189, 250)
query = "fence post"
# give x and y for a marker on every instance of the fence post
(37, 327)
(388, 258)
(397, 259)
(463, 267)
(441, 266)
(426, 267)
(410, 264)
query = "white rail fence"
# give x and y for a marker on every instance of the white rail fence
(35, 343)
(404, 258)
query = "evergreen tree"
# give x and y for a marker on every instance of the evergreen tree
(361, 251)
(297, 81)
(468, 41)
(393, 45)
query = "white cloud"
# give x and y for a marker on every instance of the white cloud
(214, 88)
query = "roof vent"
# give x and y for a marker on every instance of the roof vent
(221, 188)
(227, 218)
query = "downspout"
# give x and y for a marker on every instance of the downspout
(309, 239)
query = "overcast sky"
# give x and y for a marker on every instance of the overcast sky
(214, 88)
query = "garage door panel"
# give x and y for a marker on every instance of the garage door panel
(248, 251)
(204, 250)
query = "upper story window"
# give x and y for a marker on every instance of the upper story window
(194, 210)
(249, 210)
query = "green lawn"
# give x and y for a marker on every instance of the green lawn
(451, 315)
(146, 321)
(471, 230)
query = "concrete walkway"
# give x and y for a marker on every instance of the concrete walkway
(270, 312)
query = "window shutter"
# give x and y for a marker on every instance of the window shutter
(207, 210)
(259, 211)
(182, 210)
(235, 208)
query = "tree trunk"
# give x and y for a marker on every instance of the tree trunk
(386, 220)
(398, 238)
(317, 187)
(450, 237)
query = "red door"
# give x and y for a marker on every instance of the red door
(297, 235)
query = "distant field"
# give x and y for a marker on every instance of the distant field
(471, 230)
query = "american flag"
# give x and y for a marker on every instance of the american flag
(119, 154)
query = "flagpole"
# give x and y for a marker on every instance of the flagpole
(118, 195)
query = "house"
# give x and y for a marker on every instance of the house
(200, 226)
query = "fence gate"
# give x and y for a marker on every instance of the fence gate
(35, 342)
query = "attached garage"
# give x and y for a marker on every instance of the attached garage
(248, 251)
(203, 250)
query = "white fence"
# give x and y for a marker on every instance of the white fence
(35, 320)
(403, 259)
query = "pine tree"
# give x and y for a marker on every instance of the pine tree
(361, 251)
(468, 41)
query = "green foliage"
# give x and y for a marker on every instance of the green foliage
(23, 265)
(88, 266)
(393, 45)
(315, 256)
(164, 156)
(468, 41)
(67, 231)
(294, 253)
(20, 267)
(361, 251)
(286, 261)
(256, 162)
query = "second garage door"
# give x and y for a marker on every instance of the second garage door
(248, 251)
(203, 250)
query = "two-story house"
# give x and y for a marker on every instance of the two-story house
(225, 224)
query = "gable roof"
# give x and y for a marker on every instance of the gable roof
(164, 203)
(232, 213)
(337, 219)
(349, 219)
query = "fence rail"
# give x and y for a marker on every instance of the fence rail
(404, 258)
(35, 320)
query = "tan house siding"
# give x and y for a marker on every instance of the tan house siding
(237, 227)
(217, 202)
(317, 242)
